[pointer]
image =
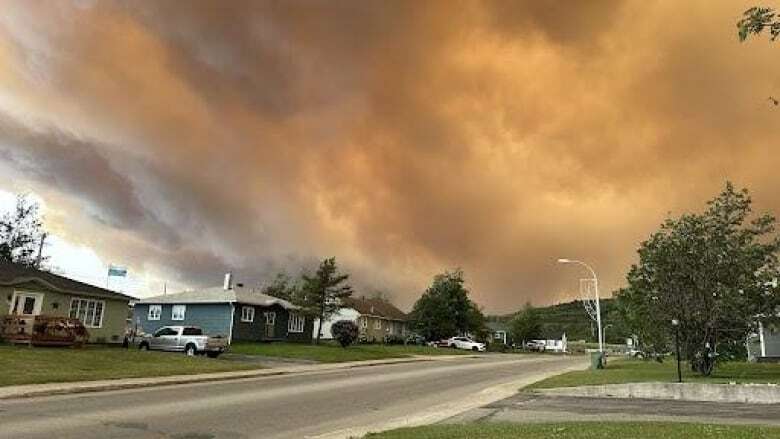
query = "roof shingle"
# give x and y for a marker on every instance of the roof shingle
(15, 274)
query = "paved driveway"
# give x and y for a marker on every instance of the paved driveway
(536, 408)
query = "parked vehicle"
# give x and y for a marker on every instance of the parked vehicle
(188, 339)
(415, 340)
(466, 343)
(536, 345)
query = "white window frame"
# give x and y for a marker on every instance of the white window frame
(174, 316)
(296, 323)
(246, 315)
(154, 315)
(364, 322)
(20, 294)
(89, 305)
(378, 324)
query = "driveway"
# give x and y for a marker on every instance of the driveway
(331, 403)
(526, 408)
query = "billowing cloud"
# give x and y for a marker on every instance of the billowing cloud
(404, 138)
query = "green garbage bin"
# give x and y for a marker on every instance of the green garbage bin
(597, 360)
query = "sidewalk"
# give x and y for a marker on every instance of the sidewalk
(49, 389)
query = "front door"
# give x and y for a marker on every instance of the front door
(27, 304)
(270, 322)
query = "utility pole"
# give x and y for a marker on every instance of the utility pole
(40, 251)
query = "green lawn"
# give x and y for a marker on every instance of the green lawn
(582, 430)
(635, 371)
(331, 353)
(26, 365)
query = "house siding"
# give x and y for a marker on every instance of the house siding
(213, 318)
(56, 303)
(256, 331)
(772, 343)
(373, 334)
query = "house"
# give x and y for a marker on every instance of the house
(238, 313)
(765, 345)
(28, 293)
(499, 333)
(377, 319)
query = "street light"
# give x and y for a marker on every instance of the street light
(676, 324)
(598, 306)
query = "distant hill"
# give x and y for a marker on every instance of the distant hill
(572, 319)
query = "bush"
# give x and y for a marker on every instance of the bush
(393, 339)
(345, 332)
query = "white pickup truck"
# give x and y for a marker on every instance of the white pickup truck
(188, 339)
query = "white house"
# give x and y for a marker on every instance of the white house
(342, 314)
(764, 345)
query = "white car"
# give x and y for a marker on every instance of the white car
(466, 343)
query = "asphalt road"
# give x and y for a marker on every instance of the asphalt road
(294, 406)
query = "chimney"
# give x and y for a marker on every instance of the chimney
(228, 281)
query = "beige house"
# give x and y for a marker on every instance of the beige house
(29, 292)
(378, 319)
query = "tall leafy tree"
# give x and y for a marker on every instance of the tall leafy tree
(323, 293)
(757, 20)
(445, 310)
(526, 324)
(713, 272)
(21, 231)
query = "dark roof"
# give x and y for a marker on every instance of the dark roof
(375, 307)
(15, 274)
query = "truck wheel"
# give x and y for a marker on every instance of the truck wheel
(190, 350)
(143, 347)
(212, 354)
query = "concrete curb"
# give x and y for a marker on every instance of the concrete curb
(730, 393)
(52, 389)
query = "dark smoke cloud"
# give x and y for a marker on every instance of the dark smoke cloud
(404, 138)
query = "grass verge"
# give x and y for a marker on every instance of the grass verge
(636, 371)
(331, 353)
(582, 430)
(29, 365)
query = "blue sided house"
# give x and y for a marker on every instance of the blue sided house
(238, 313)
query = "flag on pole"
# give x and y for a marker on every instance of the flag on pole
(117, 271)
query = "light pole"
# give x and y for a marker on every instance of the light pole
(598, 306)
(676, 324)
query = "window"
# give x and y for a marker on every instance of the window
(155, 311)
(192, 331)
(178, 311)
(363, 322)
(270, 318)
(90, 312)
(247, 314)
(166, 331)
(296, 323)
(377, 324)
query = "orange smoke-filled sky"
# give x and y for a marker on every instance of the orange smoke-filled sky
(185, 139)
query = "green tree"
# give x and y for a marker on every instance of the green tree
(21, 233)
(756, 20)
(713, 272)
(445, 310)
(323, 293)
(526, 325)
(284, 287)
